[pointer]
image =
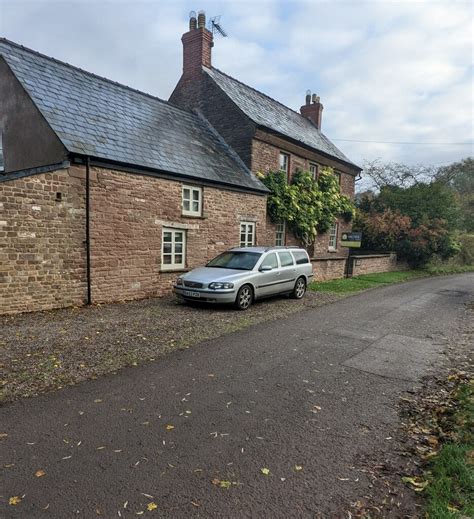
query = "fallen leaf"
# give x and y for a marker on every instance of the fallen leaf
(221, 483)
(169, 427)
(298, 468)
(14, 500)
(265, 471)
(97, 401)
(151, 506)
(418, 484)
(40, 473)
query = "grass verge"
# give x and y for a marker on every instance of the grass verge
(437, 270)
(366, 281)
(450, 492)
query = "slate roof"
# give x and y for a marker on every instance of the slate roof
(103, 119)
(265, 111)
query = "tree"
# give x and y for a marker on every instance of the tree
(459, 176)
(383, 174)
(417, 221)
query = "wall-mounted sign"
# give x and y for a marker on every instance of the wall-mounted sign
(351, 239)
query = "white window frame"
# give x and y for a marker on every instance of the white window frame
(247, 226)
(174, 265)
(280, 234)
(191, 190)
(333, 231)
(287, 169)
(316, 170)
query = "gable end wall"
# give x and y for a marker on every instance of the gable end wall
(28, 140)
(234, 127)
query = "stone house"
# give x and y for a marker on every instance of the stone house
(267, 135)
(107, 192)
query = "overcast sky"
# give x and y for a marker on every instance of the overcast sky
(385, 70)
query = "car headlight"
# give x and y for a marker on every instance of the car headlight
(220, 286)
(179, 281)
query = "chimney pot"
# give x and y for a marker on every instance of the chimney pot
(308, 97)
(201, 21)
(192, 20)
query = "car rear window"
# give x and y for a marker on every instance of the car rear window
(300, 257)
(286, 259)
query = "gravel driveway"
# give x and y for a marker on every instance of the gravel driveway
(43, 351)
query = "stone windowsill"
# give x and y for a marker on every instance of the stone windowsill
(172, 271)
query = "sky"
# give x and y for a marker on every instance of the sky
(398, 74)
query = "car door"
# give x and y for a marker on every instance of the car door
(287, 272)
(268, 281)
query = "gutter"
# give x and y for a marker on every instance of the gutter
(88, 237)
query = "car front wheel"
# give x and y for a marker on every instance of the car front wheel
(244, 297)
(300, 289)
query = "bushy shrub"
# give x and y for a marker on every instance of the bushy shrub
(391, 231)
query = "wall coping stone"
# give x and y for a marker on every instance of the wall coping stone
(332, 258)
(362, 256)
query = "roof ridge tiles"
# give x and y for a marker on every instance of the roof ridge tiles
(260, 93)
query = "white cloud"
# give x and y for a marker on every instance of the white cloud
(385, 70)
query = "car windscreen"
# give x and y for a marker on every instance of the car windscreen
(235, 260)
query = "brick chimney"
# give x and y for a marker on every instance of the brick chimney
(313, 109)
(197, 45)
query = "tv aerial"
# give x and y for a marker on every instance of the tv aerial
(215, 26)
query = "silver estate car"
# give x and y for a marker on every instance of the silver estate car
(241, 275)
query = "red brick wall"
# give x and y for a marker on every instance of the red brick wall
(42, 251)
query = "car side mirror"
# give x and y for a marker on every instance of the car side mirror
(266, 268)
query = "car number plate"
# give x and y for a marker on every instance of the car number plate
(191, 294)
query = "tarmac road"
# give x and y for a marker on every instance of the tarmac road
(308, 398)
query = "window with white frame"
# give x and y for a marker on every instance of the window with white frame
(284, 162)
(247, 234)
(314, 170)
(173, 250)
(192, 201)
(280, 234)
(333, 236)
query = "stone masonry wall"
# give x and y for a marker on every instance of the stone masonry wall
(128, 214)
(333, 268)
(42, 248)
(42, 232)
(371, 263)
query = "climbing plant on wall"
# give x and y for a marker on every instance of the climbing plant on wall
(308, 206)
